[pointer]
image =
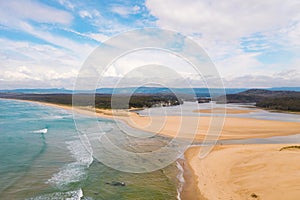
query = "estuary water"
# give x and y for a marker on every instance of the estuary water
(189, 108)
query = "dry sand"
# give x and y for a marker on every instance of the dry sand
(234, 128)
(247, 172)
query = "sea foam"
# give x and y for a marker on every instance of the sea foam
(75, 171)
(180, 179)
(43, 131)
(71, 195)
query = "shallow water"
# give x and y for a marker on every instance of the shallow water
(42, 157)
(188, 108)
(289, 139)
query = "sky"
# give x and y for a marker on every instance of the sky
(44, 43)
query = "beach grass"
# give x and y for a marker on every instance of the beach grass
(289, 147)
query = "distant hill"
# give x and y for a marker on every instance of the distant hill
(296, 89)
(39, 91)
(200, 92)
(276, 100)
(245, 95)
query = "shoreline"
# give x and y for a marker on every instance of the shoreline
(282, 111)
(233, 128)
(190, 172)
(190, 189)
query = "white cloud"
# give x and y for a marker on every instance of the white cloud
(125, 11)
(25, 73)
(84, 13)
(89, 14)
(18, 74)
(81, 50)
(27, 64)
(223, 28)
(18, 15)
(225, 19)
(67, 4)
(293, 34)
(14, 11)
(226, 28)
(239, 64)
(136, 9)
(220, 25)
(288, 74)
(290, 78)
(98, 37)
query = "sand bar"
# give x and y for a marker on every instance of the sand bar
(227, 111)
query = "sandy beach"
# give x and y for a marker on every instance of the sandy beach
(192, 126)
(231, 171)
(247, 172)
(234, 128)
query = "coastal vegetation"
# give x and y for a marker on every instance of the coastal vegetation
(267, 99)
(105, 101)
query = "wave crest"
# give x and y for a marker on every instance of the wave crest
(43, 131)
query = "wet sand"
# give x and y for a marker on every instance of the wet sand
(198, 127)
(226, 110)
(190, 189)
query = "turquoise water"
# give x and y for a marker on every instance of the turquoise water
(43, 158)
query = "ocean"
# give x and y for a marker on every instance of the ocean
(42, 157)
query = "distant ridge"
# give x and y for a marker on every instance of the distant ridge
(39, 91)
(200, 92)
(296, 89)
